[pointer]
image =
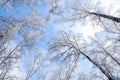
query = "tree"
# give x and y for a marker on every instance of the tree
(102, 52)
(18, 35)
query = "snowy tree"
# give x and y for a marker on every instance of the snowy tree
(22, 27)
(18, 35)
(102, 51)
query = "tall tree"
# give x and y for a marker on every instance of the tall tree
(18, 34)
(102, 52)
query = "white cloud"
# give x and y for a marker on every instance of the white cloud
(87, 30)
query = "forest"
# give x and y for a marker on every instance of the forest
(59, 40)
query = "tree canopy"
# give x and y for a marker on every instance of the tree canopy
(23, 28)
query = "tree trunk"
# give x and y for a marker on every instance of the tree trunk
(116, 19)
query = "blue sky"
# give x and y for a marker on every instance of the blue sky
(52, 28)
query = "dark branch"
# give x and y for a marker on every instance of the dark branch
(116, 19)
